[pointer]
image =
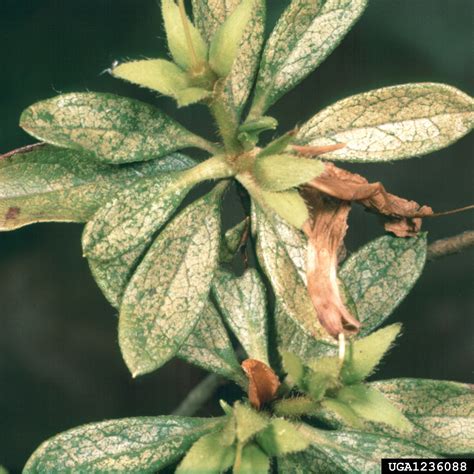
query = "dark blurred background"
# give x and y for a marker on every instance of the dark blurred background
(60, 365)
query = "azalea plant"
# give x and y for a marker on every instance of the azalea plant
(304, 317)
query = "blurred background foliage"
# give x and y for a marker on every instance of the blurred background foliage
(60, 364)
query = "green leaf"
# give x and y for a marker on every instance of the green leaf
(169, 290)
(184, 54)
(116, 129)
(348, 452)
(130, 219)
(208, 456)
(275, 247)
(379, 276)
(281, 437)
(248, 422)
(281, 172)
(322, 376)
(54, 184)
(243, 304)
(363, 355)
(254, 461)
(392, 123)
(209, 347)
(138, 445)
(370, 404)
(294, 368)
(442, 413)
(191, 95)
(232, 241)
(226, 41)
(155, 74)
(304, 36)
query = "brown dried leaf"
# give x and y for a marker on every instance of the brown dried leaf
(404, 215)
(263, 382)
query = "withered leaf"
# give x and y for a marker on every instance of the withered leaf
(263, 382)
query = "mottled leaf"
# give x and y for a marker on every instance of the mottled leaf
(130, 219)
(391, 123)
(379, 275)
(304, 36)
(54, 184)
(348, 452)
(207, 455)
(274, 248)
(442, 412)
(209, 347)
(116, 129)
(134, 445)
(169, 289)
(243, 304)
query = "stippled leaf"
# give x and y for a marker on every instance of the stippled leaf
(305, 35)
(112, 276)
(132, 445)
(442, 413)
(391, 123)
(379, 275)
(54, 184)
(130, 219)
(290, 290)
(116, 129)
(208, 456)
(348, 452)
(209, 347)
(209, 15)
(243, 304)
(169, 289)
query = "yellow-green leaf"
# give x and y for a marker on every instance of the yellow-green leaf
(281, 437)
(55, 184)
(191, 95)
(116, 129)
(281, 172)
(379, 275)
(209, 347)
(132, 445)
(207, 455)
(363, 355)
(184, 54)
(155, 74)
(442, 413)
(304, 36)
(243, 304)
(253, 461)
(248, 422)
(392, 123)
(369, 404)
(166, 295)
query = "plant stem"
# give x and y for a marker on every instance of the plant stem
(212, 168)
(199, 395)
(451, 245)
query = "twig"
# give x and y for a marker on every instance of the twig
(199, 395)
(23, 149)
(457, 243)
